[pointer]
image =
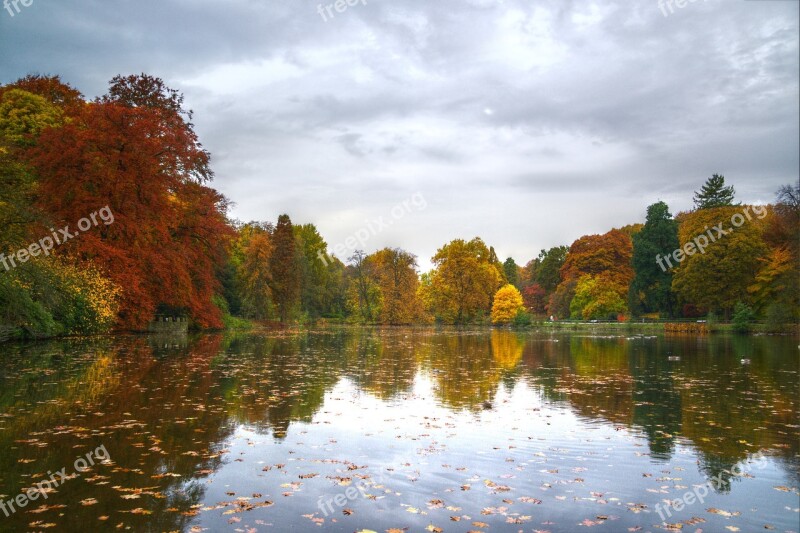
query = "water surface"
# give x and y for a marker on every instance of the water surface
(392, 430)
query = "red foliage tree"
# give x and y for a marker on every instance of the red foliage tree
(169, 232)
(535, 298)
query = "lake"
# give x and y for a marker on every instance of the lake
(400, 430)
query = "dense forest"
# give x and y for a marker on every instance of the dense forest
(107, 220)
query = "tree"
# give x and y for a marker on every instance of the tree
(719, 276)
(464, 280)
(314, 278)
(535, 299)
(68, 99)
(395, 274)
(547, 274)
(284, 269)
(597, 297)
(507, 304)
(511, 271)
(742, 317)
(605, 256)
(714, 193)
(254, 272)
(493, 259)
(558, 305)
(23, 116)
(651, 287)
(169, 232)
(364, 295)
(608, 254)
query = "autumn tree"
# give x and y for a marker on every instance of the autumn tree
(23, 116)
(714, 193)
(558, 304)
(284, 269)
(651, 288)
(395, 274)
(507, 304)
(776, 288)
(146, 165)
(364, 295)
(718, 277)
(254, 274)
(59, 94)
(597, 297)
(314, 273)
(464, 280)
(606, 256)
(493, 259)
(535, 299)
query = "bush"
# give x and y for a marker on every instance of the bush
(522, 319)
(742, 317)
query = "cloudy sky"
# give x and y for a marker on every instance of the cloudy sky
(528, 123)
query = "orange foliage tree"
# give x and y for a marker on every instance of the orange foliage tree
(604, 257)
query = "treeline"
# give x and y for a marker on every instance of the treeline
(168, 247)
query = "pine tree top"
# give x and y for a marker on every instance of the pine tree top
(714, 193)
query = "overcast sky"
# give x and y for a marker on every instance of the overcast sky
(528, 123)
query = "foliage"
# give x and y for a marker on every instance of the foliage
(54, 296)
(319, 294)
(24, 115)
(52, 89)
(719, 278)
(394, 272)
(597, 297)
(546, 269)
(535, 299)
(714, 193)
(283, 269)
(363, 294)
(255, 275)
(511, 271)
(742, 317)
(603, 264)
(507, 304)
(170, 232)
(652, 286)
(558, 305)
(523, 319)
(464, 280)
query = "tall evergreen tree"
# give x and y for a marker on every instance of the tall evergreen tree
(284, 268)
(651, 289)
(714, 193)
(512, 272)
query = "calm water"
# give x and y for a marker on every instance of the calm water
(368, 430)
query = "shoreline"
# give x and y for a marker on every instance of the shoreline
(9, 334)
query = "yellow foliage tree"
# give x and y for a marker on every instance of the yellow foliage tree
(464, 280)
(507, 303)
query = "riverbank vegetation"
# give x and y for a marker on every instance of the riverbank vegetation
(169, 247)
